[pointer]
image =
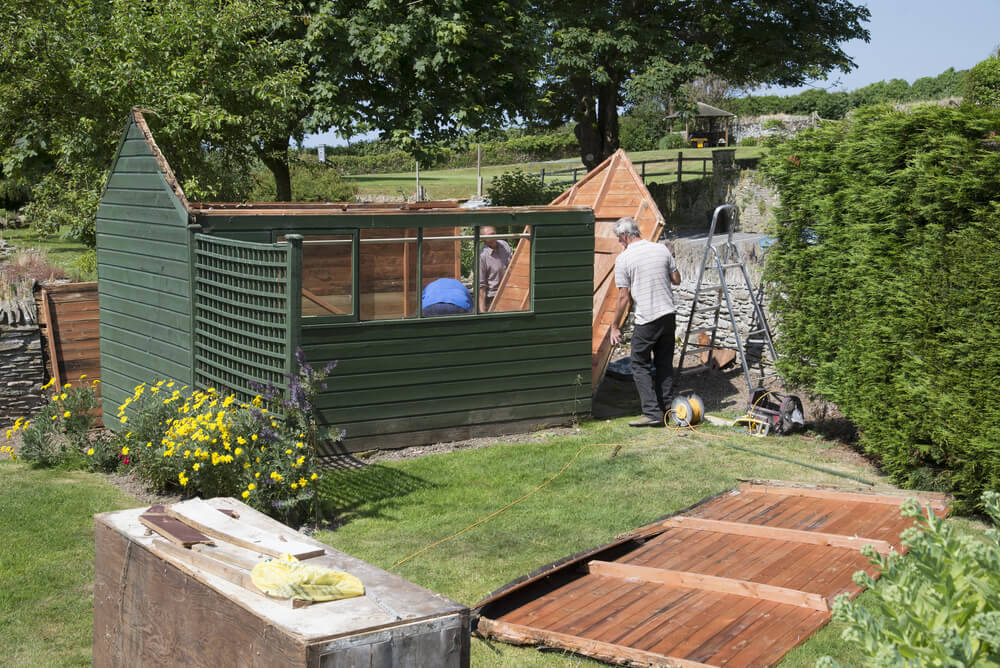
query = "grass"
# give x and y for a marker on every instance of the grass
(47, 562)
(58, 251)
(461, 183)
(392, 510)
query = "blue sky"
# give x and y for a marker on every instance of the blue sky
(909, 39)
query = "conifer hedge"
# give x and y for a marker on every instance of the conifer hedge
(887, 286)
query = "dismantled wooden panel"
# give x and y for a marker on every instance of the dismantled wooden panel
(612, 189)
(737, 580)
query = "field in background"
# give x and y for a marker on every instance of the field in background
(461, 183)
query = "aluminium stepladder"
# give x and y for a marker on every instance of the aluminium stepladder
(756, 353)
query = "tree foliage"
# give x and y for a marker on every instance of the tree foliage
(836, 104)
(889, 229)
(596, 49)
(982, 85)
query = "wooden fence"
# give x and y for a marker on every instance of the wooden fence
(68, 320)
(676, 168)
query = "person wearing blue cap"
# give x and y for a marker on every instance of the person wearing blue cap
(445, 296)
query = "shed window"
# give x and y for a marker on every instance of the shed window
(400, 273)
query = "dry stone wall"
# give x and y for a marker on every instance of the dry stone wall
(22, 368)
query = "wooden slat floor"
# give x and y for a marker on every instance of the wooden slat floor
(636, 618)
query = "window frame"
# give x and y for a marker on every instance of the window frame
(355, 234)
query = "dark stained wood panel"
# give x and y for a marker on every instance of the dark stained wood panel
(695, 589)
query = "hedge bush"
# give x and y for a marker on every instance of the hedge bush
(885, 291)
(517, 188)
(982, 84)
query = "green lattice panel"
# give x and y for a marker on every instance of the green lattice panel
(243, 323)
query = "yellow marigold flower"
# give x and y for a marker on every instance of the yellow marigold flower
(90, 451)
(302, 482)
(241, 440)
(170, 384)
(55, 416)
(238, 451)
(49, 384)
(128, 434)
(196, 466)
(246, 465)
(8, 434)
(253, 437)
(82, 376)
(67, 386)
(302, 435)
(63, 395)
(252, 487)
(299, 444)
(124, 419)
(149, 444)
(288, 451)
(257, 474)
(125, 450)
(301, 460)
(187, 453)
(183, 479)
(66, 414)
(160, 383)
(294, 485)
(273, 423)
(313, 476)
(245, 494)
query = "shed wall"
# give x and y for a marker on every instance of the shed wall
(400, 383)
(144, 274)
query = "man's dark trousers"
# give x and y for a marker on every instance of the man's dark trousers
(654, 342)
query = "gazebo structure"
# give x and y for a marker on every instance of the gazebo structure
(709, 126)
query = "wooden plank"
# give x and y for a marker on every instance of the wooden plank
(525, 635)
(193, 560)
(172, 528)
(713, 583)
(892, 499)
(794, 535)
(51, 338)
(207, 519)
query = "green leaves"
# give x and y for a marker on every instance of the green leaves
(937, 606)
(888, 230)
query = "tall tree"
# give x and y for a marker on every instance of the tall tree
(597, 48)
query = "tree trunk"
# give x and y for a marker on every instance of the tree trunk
(275, 158)
(597, 126)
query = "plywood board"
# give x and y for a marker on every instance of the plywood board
(205, 518)
(739, 579)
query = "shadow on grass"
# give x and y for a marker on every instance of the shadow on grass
(352, 489)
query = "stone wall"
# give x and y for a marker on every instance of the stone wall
(687, 206)
(22, 369)
(759, 127)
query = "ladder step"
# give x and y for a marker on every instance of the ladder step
(732, 265)
(756, 331)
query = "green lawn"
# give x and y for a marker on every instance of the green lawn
(391, 510)
(60, 252)
(47, 563)
(394, 509)
(461, 183)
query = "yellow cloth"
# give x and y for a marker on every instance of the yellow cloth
(288, 577)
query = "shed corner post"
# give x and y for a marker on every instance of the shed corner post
(293, 324)
(194, 229)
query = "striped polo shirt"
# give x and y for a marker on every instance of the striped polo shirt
(645, 267)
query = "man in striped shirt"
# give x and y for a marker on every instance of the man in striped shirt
(644, 272)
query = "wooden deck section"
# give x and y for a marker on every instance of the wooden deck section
(738, 580)
(612, 189)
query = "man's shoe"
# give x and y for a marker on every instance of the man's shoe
(645, 421)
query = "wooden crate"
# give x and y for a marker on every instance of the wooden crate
(154, 608)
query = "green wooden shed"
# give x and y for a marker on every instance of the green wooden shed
(221, 295)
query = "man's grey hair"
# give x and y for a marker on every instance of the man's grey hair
(627, 226)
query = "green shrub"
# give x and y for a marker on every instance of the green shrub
(517, 188)
(57, 434)
(982, 83)
(748, 141)
(937, 606)
(669, 142)
(311, 182)
(885, 298)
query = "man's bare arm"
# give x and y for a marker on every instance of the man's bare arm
(620, 308)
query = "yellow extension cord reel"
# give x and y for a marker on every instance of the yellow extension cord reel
(686, 410)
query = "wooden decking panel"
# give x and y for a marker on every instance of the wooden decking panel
(697, 588)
